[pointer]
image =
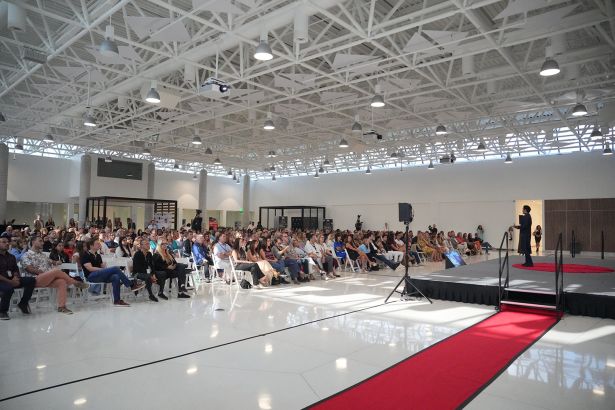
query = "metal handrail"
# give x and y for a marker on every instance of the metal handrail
(503, 263)
(573, 245)
(559, 274)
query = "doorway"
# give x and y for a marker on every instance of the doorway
(537, 219)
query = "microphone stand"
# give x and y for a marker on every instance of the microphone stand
(409, 288)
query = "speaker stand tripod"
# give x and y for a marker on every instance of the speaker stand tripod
(409, 288)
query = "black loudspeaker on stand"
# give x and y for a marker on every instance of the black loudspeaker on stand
(406, 215)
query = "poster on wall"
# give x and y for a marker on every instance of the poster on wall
(163, 220)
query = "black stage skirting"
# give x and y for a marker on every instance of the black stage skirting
(581, 304)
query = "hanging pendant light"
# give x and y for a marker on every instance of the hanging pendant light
(326, 163)
(441, 130)
(217, 161)
(579, 110)
(596, 133)
(89, 121)
(196, 140)
(377, 101)
(176, 166)
(108, 46)
(271, 154)
(508, 159)
(229, 173)
(343, 143)
(147, 152)
(549, 67)
(607, 150)
(481, 147)
(263, 51)
(356, 126)
(430, 167)
(108, 159)
(48, 138)
(273, 178)
(368, 171)
(321, 170)
(208, 151)
(268, 124)
(316, 175)
(152, 96)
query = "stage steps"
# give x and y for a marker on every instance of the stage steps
(529, 298)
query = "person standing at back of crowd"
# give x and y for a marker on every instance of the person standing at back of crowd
(525, 234)
(197, 222)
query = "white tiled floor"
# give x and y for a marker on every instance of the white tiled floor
(267, 350)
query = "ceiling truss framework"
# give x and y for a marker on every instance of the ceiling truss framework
(470, 65)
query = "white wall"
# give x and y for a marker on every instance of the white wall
(40, 179)
(458, 196)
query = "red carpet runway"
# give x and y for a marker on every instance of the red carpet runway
(568, 268)
(450, 373)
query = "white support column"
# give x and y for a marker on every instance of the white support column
(203, 192)
(4, 178)
(151, 180)
(84, 187)
(245, 216)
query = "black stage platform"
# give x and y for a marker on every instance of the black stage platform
(586, 294)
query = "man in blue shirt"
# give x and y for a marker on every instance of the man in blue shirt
(200, 255)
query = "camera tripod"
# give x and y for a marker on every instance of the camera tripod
(409, 288)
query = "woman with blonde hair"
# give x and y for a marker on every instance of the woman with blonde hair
(164, 262)
(254, 255)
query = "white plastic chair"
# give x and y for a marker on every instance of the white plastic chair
(351, 264)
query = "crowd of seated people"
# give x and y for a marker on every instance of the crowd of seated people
(30, 258)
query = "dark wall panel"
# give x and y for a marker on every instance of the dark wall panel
(578, 204)
(555, 222)
(587, 217)
(603, 221)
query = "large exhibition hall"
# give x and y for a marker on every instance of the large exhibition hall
(307, 204)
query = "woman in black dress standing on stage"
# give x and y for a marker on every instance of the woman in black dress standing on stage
(525, 235)
(538, 237)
